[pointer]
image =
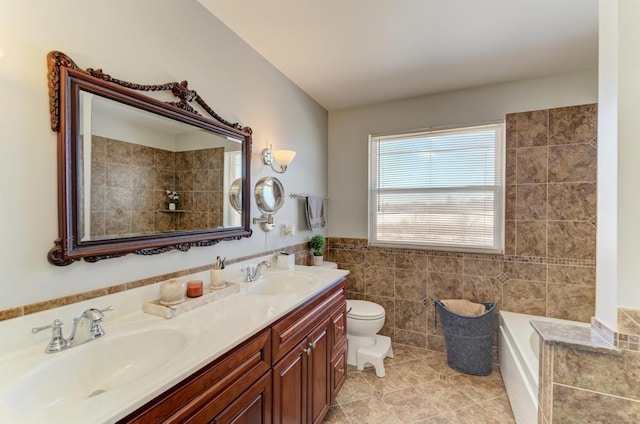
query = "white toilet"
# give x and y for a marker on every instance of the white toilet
(364, 320)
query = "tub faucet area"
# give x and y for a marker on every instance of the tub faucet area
(86, 327)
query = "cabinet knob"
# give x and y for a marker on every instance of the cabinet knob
(312, 345)
(308, 351)
(340, 370)
(341, 328)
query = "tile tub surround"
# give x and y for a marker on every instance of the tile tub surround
(420, 388)
(585, 379)
(548, 268)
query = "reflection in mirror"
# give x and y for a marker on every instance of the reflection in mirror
(235, 195)
(135, 156)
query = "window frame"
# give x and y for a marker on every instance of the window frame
(499, 192)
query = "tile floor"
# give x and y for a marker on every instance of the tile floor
(420, 388)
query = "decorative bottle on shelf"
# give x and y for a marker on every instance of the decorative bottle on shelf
(172, 206)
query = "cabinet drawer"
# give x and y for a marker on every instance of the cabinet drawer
(289, 331)
(214, 386)
(338, 369)
(339, 325)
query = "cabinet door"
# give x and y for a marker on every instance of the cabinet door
(290, 382)
(338, 369)
(319, 372)
(252, 407)
(339, 324)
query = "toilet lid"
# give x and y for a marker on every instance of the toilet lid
(361, 309)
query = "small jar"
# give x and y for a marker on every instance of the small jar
(194, 288)
(172, 292)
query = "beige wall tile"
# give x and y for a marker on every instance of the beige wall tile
(531, 165)
(572, 239)
(410, 284)
(531, 203)
(526, 271)
(571, 302)
(572, 163)
(449, 264)
(575, 124)
(410, 260)
(572, 201)
(482, 267)
(585, 369)
(511, 161)
(481, 289)
(525, 297)
(571, 274)
(579, 406)
(411, 316)
(411, 338)
(379, 281)
(533, 128)
(531, 238)
(444, 286)
(511, 128)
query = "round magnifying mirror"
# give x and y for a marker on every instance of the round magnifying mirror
(235, 195)
(269, 194)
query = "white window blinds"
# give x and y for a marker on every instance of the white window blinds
(438, 189)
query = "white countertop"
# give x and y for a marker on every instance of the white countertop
(210, 331)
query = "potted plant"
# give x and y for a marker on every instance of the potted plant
(317, 243)
(173, 198)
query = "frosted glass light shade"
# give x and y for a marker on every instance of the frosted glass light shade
(284, 157)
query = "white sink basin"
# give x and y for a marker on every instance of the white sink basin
(93, 368)
(277, 284)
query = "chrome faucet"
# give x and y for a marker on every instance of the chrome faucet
(253, 273)
(86, 327)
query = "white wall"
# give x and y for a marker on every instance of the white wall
(607, 231)
(619, 173)
(145, 41)
(349, 130)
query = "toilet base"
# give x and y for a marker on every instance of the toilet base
(374, 355)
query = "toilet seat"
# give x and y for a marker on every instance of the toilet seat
(364, 310)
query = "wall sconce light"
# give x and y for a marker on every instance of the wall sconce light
(283, 157)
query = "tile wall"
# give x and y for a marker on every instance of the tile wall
(129, 184)
(580, 385)
(548, 268)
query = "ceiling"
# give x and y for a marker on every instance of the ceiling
(346, 53)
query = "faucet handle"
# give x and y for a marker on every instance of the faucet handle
(56, 324)
(57, 342)
(108, 308)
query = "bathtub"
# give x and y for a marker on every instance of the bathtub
(519, 351)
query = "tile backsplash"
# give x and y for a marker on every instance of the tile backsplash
(548, 268)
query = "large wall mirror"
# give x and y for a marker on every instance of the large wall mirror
(124, 156)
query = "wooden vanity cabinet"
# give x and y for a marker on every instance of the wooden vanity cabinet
(303, 348)
(209, 392)
(288, 373)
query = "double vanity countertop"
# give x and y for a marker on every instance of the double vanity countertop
(140, 356)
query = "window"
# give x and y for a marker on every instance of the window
(440, 190)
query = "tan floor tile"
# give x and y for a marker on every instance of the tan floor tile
(409, 406)
(402, 353)
(496, 377)
(370, 411)
(336, 416)
(438, 361)
(417, 371)
(355, 387)
(393, 380)
(487, 412)
(440, 419)
(477, 388)
(443, 395)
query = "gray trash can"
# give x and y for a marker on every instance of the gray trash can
(468, 339)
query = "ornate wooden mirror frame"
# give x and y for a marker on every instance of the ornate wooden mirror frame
(66, 81)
